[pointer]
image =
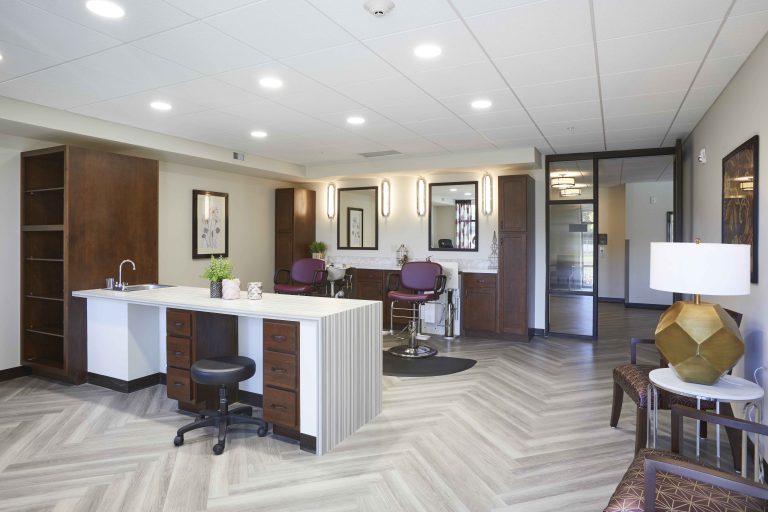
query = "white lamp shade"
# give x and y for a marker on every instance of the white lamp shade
(704, 269)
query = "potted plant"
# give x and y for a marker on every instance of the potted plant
(218, 270)
(318, 250)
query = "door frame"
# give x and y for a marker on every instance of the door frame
(677, 183)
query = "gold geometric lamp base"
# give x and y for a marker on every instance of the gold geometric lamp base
(700, 341)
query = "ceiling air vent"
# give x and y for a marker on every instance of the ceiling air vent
(388, 152)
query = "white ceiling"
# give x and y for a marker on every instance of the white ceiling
(619, 171)
(563, 75)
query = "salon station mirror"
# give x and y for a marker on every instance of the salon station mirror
(358, 226)
(453, 216)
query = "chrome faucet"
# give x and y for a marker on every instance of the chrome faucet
(120, 284)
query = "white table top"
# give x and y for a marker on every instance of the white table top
(727, 389)
(281, 307)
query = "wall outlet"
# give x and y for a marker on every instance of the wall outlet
(653, 199)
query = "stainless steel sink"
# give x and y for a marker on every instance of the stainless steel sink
(141, 287)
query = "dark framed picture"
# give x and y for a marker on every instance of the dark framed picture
(355, 227)
(602, 239)
(210, 224)
(740, 199)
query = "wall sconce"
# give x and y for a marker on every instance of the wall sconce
(487, 194)
(385, 198)
(421, 197)
(330, 207)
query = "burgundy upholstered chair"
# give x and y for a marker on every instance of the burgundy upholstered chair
(306, 277)
(423, 281)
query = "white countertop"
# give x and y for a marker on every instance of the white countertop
(288, 307)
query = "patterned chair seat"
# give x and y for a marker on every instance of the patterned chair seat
(676, 493)
(634, 380)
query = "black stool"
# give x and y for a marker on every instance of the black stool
(222, 371)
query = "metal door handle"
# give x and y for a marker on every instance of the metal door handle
(178, 324)
(178, 353)
(278, 337)
(178, 384)
(278, 370)
(275, 406)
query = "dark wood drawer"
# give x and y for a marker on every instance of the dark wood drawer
(480, 280)
(178, 323)
(280, 407)
(179, 352)
(179, 384)
(281, 336)
(280, 370)
(364, 274)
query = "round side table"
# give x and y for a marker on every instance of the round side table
(727, 389)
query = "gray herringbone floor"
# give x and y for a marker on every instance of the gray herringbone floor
(526, 429)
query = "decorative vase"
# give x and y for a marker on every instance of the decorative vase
(254, 290)
(215, 289)
(317, 256)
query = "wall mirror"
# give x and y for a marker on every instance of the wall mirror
(453, 216)
(358, 225)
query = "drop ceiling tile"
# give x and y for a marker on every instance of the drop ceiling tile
(502, 99)
(565, 113)
(387, 91)
(343, 64)
(414, 145)
(537, 142)
(58, 87)
(458, 45)
(497, 119)
(648, 81)
(248, 80)
(571, 91)
(281, 28)
(212, 126)
(533, 27)
(621, 18)
(373, 121)
(566, 147)
(203, 48)
(438, 126)
(653, 119)
(719, 71)
(203, 8)
(635, 105)
(549, 66)
(410, 111)
(461, 141)
(209, 92)
(142, 17)
(442, 83)
(740, 35)
(690, 116)
(702, 96)
(272, 117)
(572, 139)
(318, 102)
(656, 133)
(594, 125)
(19, 60)
(623, 145)
(27, 26)
(656, 49)
(473, 7)
(405, 16)
(748, 6)
(512, 133)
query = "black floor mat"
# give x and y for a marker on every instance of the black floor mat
(426, 367)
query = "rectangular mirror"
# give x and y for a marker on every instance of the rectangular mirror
(358, 225)
(453, 216)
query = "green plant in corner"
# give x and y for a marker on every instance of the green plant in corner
(218, 270)
(317, 247)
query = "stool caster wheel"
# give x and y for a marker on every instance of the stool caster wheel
(218, 448)
(178, 440)
(262, 431)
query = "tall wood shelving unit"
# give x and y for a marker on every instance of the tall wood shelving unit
(82, 212)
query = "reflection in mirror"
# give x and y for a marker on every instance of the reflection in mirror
(453, 216)
(358, 224)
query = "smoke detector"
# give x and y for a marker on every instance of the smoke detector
(379, 8)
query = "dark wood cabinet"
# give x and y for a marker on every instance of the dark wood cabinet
(371, 284)
(193, 335)
(82, 213)
(479, 304)
(281, 377)
(294, 225)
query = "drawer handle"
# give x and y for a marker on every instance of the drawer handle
(281, 407)
(178, 353)
(278, 337)
(178, 384)
(278, 370)
(178, 324)
(481, 280)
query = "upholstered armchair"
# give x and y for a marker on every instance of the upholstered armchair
(306, 277)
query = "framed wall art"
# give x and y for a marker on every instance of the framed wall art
(210, 224)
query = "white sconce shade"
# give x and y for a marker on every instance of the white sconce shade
(703, 269)
(385, 198)
(421, 197)
(330, 207)
(487, 194)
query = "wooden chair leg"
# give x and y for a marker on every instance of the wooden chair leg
(641, 429)
(734, 436)
(618, 400)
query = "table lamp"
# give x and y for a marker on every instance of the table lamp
(700, 340)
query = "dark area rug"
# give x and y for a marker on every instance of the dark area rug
(427, 367)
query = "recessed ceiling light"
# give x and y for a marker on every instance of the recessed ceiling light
(271, 82)
(161, 105)
(427, 51)
(356, 120)
(258, 134)
(454, 190)
(467, 193)
(1, 56)
(105, 8)
(481, 104)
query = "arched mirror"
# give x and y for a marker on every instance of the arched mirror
(358, 225)
(453, 216)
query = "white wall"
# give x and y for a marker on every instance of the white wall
(610, 283)
(404, 226)
(251, 224)
(740, 112)
(647, 205)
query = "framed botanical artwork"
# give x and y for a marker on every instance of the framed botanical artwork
(210, 224)
(740, 199)
(355, 227)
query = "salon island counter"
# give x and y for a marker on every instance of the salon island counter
(338, 349)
